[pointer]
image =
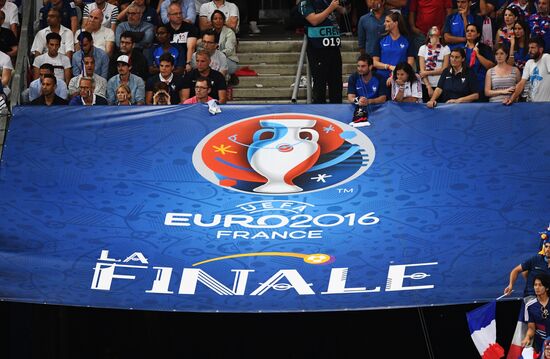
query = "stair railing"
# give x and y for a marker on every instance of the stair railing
(301, 62)
(20, 73)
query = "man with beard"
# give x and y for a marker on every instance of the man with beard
(365, 88)
(539, 23)
(536, 72)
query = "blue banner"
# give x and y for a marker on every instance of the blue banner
(270, 208)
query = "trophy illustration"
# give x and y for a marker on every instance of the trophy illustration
(285, 155)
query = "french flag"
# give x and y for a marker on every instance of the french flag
(483, 330)
(515, 350)
(528, 353)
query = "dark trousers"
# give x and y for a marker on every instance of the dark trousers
(249, 10)
(326, 69)
(253, 8)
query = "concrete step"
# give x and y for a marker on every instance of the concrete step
(288, 69)
(271, 81)
(253, 101)
(270, 93)
(284, 58)
(254, 46)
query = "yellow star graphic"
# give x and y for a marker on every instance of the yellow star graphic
(223, 149)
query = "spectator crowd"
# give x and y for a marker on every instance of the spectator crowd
(133, 52)
(432, 51)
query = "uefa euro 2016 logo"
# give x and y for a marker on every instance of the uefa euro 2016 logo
(283, 154)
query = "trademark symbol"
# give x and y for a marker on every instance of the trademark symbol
(345, 190)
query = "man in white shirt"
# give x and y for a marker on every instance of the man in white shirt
(12, 15)
(230, 10)
(61, 62)
(6, 68)
(536, 72)
(104, 38)
(89, 71)
(67, 39)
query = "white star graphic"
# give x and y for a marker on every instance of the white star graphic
(321, 177)
(328, 129)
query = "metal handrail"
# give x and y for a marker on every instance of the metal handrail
(19, 79)
(298, 76)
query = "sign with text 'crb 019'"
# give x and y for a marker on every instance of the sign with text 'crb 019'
(270, 208)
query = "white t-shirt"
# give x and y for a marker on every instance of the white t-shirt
(67, 40)
(414, 90)
(423, 51)
(60, 63)
(228, 8)
(101, 37)
(12, 15)
(5, 62)
(198, 4)
(537, 75)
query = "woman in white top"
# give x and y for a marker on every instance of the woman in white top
(227, 41)
(405, 84)
(433, 58)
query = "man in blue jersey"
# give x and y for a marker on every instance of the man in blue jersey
(539, 264)
(323, 48)
(365, 88)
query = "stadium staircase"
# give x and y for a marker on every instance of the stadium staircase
(275, 61)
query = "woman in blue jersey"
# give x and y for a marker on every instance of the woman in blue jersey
(479, 57)
(394, 47)
(519, 45)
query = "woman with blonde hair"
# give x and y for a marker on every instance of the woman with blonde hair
(123, 95)
(433, 59)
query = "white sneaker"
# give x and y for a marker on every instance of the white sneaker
(302, 83)
(253, 26)
(360, 123)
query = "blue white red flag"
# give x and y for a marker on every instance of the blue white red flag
(516, 349)
(483, 330)
(527, 353)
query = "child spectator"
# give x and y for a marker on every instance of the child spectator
(405, 84)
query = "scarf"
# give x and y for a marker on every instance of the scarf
(432, 56)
